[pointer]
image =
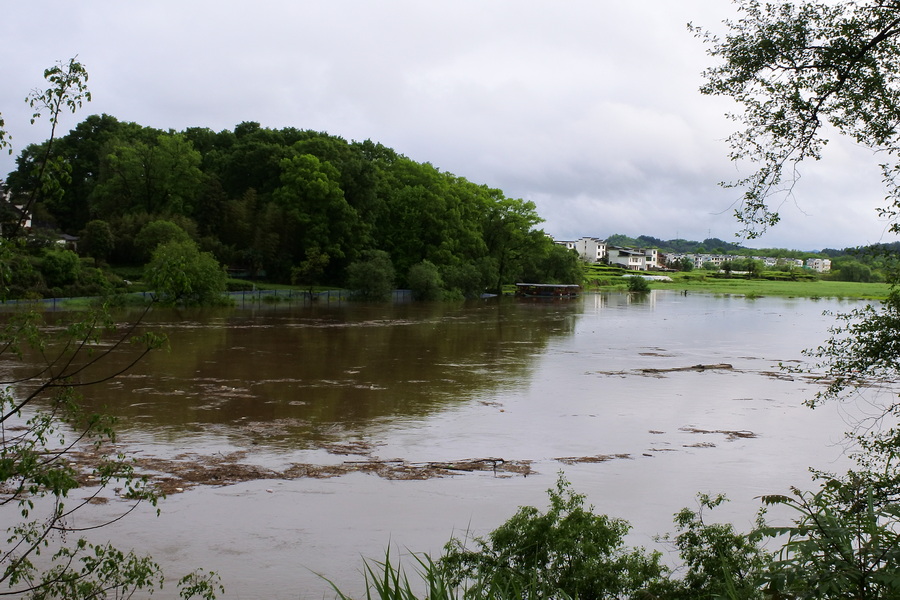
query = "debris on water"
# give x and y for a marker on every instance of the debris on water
(714, 367)
(729, 434)
(573, 460)
(659, 372)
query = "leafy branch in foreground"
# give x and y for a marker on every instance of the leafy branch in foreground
(44, 427)
(68, 91)
(844, 543)
(798, 69)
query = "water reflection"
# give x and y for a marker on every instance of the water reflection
(303, 373)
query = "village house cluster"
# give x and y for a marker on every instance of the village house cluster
(596, 250)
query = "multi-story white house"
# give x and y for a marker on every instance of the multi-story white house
(635, 260)
(590, 249)
(818, 264)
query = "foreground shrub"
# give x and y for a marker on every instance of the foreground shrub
(638, 284)
(567, 549)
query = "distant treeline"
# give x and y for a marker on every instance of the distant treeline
(274, 201)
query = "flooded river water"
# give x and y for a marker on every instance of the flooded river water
(297, 440)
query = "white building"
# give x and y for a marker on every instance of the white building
(590, 249)
(595, 250)
(818, 264)
(634, 260)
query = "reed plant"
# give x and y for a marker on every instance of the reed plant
(388, 580)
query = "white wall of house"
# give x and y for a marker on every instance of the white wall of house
(634, 260)
(819, 264)
(590, 249)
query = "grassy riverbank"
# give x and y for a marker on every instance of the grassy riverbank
(761, 287)
(699, 282)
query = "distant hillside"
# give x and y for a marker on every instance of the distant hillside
(718, 246)
(679, 246)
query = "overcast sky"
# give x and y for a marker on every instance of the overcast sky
(589, 108)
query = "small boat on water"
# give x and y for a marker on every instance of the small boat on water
(547, 290)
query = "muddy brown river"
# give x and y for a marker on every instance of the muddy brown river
(294, 441)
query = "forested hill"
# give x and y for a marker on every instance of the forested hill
(719, 246)
(268, 200)
(679, 246)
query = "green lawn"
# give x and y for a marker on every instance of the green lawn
(760, 287)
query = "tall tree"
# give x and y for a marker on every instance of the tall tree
(510, 237)
(315, 212)
(160, 177)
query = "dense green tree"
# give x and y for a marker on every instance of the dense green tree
(261, 198)
(424, 279)
(60, 267)
(412, 226)
(156, 233)
(314, 212)
(509, 235)
(549, 262)
(252, 161)
(309, 272)
(20, 275)
(728, 267)
(464, 279)
(618, 239)
(179, 273)
(372, 277)
(158, 177)
(851, 270)
(83, 149)
(97, 240)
